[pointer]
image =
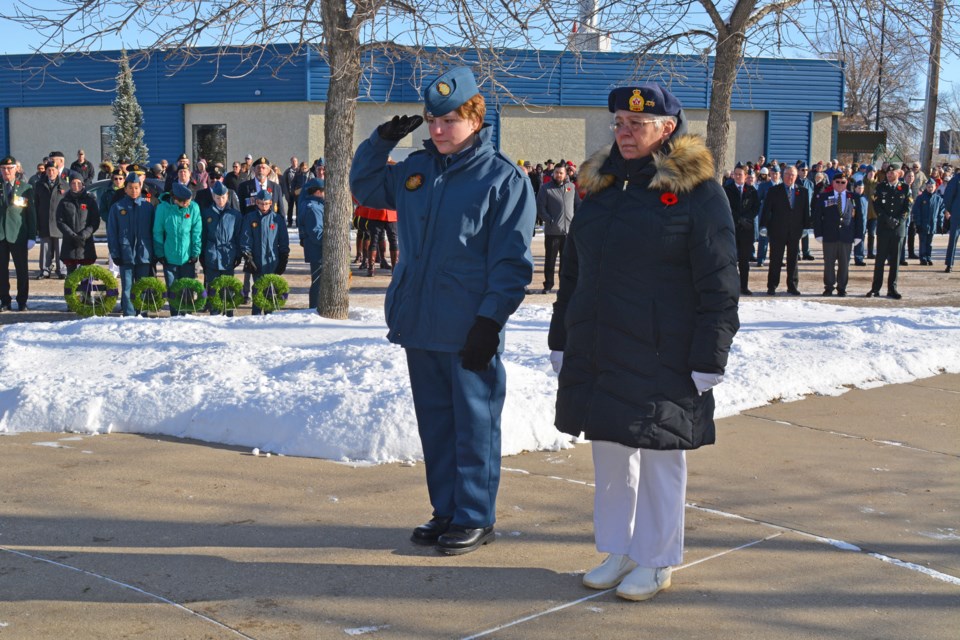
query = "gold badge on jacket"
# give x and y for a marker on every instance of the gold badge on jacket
(123, 212)
(414, 182)
(19, 201)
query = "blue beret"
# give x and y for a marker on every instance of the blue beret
(181, 191)
(802, 165)
(313, 184)
(218, 189)
(644, 98)
(75, 175)
(131, 177)
(264, 195)
(450, 90)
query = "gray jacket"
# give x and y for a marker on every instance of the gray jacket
(556, 204)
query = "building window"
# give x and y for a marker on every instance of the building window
(106, 149)
(210, 143)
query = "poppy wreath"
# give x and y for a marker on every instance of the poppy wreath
(93, 299)
(225, 294)
(270, 292)
(147, 294)
(186, 295)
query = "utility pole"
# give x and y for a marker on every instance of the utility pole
(883, 33)
(933, 86)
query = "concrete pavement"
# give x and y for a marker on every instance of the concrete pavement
(831, 517)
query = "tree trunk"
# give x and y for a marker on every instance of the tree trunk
(726, 62)
(340, 114)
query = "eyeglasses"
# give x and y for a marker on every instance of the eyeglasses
(839, 182)
(633, 125)
(118, 178)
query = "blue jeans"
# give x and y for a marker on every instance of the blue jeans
(173, 272)
(316, 268)
(129, 275)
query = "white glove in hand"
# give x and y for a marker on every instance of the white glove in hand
(31, 244)
(763, 231)
(705, 381)
(820, 239)
(809, 232)
(556, 360)
(857, 241)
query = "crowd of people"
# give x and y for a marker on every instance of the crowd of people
(888, 215)
(162, 217)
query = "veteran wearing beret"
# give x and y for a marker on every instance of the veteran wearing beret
(18, 228)
(464, 215)
(130, 238)
(641, 329)
(264, 239)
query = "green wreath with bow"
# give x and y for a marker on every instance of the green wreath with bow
(147, 294)
(98, 291)
(270, 292)
(225, 294)
(187, 295)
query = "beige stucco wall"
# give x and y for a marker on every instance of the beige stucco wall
(751, 128)
(36, 131)
(822, 137)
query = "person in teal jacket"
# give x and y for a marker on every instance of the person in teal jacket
(130, 238)
(464, 214)
(264, 240)
(310, 228)
(177, 235)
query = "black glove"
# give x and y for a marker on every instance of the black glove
(399, 128)
(282, 264)
(203, 261)
(192, 260)
(237, 261)
(249, 265)
(481, 345)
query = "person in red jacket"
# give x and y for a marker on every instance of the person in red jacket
(381, 231)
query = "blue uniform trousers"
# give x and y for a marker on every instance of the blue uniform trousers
(952, 244)
(458, 415)
(128, 276)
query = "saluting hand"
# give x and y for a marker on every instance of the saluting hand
(399, 128)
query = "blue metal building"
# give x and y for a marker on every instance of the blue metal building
(787, 92)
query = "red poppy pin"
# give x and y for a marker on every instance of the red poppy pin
(83, 207)
(899, 187)
(187, 216)
(668, 198)
(272, 227)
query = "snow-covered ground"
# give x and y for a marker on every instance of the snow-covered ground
(297, 384)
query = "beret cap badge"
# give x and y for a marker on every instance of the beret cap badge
(636, 101)
(443, 88)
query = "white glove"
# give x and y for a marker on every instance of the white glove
(763, 231)
(820, 239)
(857, 241)
(809, 232)
(556, 360)
(31, 244)
(705, 381)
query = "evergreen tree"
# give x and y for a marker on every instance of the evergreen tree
(127, 138)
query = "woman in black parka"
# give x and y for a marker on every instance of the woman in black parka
(78, 217)
(644, 319)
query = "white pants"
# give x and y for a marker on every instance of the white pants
(639, 503)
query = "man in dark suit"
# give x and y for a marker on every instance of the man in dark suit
(745, 205)
(785, 217)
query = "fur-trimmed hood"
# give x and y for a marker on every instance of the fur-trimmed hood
(682, 165)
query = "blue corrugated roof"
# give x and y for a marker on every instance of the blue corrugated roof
(163, 130)
(4, 132)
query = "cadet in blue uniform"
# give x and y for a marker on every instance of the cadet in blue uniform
(264, 243)
(927, 216)
(464, 213)
(310, 226)
(221, 223)
(130, 238)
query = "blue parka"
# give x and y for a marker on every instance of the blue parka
(130, 231)
(927, 212)
(464, 223)
(265, 238)
(221, 237)
(310, 226)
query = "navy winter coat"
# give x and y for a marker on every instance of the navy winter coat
(832, 225)
(220, 237)
(310, 226)
(648, 294)
(130, 231)
(78, 217)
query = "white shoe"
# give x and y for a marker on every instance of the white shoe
(610, 572)
(643, 583)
